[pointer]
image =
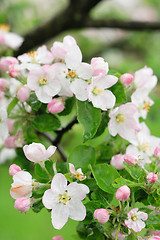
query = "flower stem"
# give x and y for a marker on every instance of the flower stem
(118, 229)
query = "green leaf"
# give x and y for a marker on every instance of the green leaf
(46, 123)
(153, 222)
(118, 91)
(103, 125)
(102, 197)
(131, 236)
(49, 167)
(12, 105)
(36, 207)
(89, 117)
(105, 175)
(34, 102)
(134, 171)
(69, 103)
(82, 156)
(119, 182)
(41, 174)
(29, 134)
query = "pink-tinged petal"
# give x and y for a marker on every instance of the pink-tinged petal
(59, 183)
(22, 177)
(79, 88)
(72, 168)
(21, 191)
(132, 212)
(69, 41)
(59, 215)
(107, 81)
(142, 215)
(58, 50)
(77, 210)
(77, 191)
(50, 199)
(84, 71)
(73, 58)
(50, 151)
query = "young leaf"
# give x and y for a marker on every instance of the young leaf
(103, 125)
(89, 117)
(153, 222)
(34, 102)
(105, 176)
(41, 174)
(69, 103)
(82, 156)
(118, 91)
(119, 182)
(12, 105)
(46, 122)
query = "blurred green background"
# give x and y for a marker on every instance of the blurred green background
(124, 51)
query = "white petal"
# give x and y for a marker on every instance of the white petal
(13, 40)
(112, 127)
(42, 95)
(77, 210)
(73, 58)
(50, 199)
(50, 151)
(84, 71)
(59, 215)
(77, 191)
(59, 183)
(79, 88)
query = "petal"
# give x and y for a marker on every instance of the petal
(84, 71)
(77, 210)
(59, 183)
(42, 95)
(142, 215)
(50, 199)
(79, 88)
(72, 168)
(50, 151)
(77, 191)
(59, 215)
(106, 101)
(73, 58)
(112, 127)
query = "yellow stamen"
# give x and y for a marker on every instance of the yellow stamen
(64, 198)
(147, 106)
(144, 147)
(32, 54)
(97, 91)
(43, 81)
(71, 74)
(134, 218)
(120, 118)
(4, 27)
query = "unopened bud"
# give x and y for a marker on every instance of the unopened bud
(126, 79)
(117, 161)
(123, 193)
(152, 177)
(23, 93)
(13, 169)
(55, 106)
(101, 215)
(10, 142)
(3, 84)
(131, 159)
(22, 204)
(157, 152)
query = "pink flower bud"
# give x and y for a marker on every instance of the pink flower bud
(13, 169)
(55, 106)
(126, 79)
(10, 125)
(152, 177)
(10, 142)
(6, 62)
(154, 238)
(2, 94)
(157, 152)
(23, 93)
(22, 204)
(99, 66)
(101, 215)
(13, 72)
(131, 159)
(3, 84)
(117, 161)
(123, 193)
(58, 238)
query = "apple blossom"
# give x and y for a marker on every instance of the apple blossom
(123, 193)
(65, 200)
(135, 218)
(151, 177)
(101, 215)
(22, 185)
(56, 105)
(10, 39)
(23, 93)
(99, 66)
(97, 93)
(117, 161)
(157, 152)
(36, 152)
(126, 79)
(76, 173)
(13, 169)
(131, 159)
(22, 204)
(43, 81)
(124, 122)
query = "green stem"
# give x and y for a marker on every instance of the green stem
(118, 229)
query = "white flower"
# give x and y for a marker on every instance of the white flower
(43, 81)
(22, 185)
(97, 93)
(65, 200)
(37, 153)
(124, 121)
(10, 39)
(135, 220)
(76, 173)
(7, 154)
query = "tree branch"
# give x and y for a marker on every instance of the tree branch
(126, 25)
(73, 17)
